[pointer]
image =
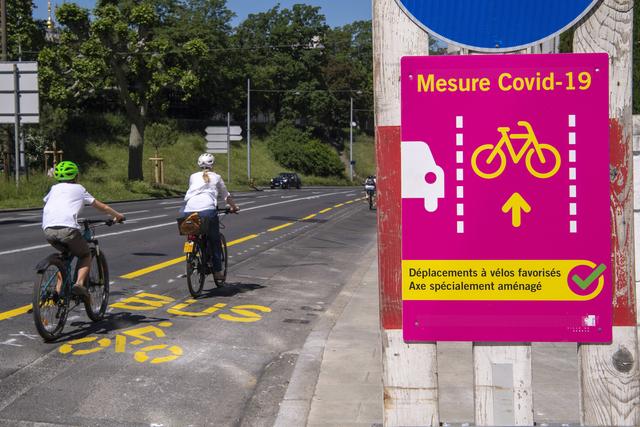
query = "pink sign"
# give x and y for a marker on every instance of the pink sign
(505, 198)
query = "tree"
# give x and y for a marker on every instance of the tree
(160, 135)
(282, 52)
(136, 47)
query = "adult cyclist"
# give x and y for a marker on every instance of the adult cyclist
(63, 203)
(370, 189)
(202, 197)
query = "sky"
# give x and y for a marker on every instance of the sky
(337, 12)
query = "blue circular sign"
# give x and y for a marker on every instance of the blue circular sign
(495, 25)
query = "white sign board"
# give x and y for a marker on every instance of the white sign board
(216, 137)
(217, 146)
(222, 130)
(29, 104)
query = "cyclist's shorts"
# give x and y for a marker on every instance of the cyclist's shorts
(370, 187)
(67, 239)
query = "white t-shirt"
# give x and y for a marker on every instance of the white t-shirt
(63, 204)
(203, 196)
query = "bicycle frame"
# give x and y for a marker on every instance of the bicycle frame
(506, 139)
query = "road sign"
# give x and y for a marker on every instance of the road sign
(218, 137)
(495, 25)
(222, 130)
(220, 145)
(505, 210)
(27, 82)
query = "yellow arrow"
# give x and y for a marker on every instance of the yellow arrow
(516, 204)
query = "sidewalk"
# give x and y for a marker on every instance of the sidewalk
(349, 388)
(337, 380)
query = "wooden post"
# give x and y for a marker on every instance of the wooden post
(609, 374)
(158, 169)
(409, 370)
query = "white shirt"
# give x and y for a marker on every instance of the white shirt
(63, 203)
(203, 196)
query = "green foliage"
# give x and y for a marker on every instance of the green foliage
(295, 149)
(24, 35)
(160, 135)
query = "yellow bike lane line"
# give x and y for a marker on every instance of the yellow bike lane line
(25, 309)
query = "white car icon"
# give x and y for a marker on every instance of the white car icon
(422, 178)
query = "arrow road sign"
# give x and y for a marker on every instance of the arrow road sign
(217, 145)
(220, 138)
(222, 130)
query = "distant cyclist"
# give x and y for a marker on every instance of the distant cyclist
(202, 197)
(370, 188)
(63, 203)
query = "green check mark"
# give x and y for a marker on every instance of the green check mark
(584, 284)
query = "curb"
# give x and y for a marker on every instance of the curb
(296, 404)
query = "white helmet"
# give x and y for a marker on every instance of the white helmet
(206, 160)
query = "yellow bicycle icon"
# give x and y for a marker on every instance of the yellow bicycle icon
(496, 160)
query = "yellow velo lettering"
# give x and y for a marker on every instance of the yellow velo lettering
(143, 302)
(143, 356)
(178, 309)
(245, 313)
(143, 332)
(70, 347)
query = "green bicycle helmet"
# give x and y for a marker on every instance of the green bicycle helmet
(65, 171)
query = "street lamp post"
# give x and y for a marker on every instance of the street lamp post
(351, 139)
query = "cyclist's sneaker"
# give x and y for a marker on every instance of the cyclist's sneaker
(218, 275)
(80, 291)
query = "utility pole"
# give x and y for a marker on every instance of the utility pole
(351, 141)
(249, 130)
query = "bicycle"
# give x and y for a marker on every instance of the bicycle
(530, 147)
(197, 254)
(50, 308)
(371, 196)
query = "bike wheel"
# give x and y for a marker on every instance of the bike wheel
(49, 309)
(196, 274)
(98, 287)
(483, 167)
(224, 259)
(370, 197)
(551, 163)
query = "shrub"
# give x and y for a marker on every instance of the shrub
(294, 149)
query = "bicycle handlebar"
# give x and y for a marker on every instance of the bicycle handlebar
(225, 211)
(107, 222)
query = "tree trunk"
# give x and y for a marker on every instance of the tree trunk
(136, 145)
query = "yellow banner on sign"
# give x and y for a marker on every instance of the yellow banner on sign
(501, 280)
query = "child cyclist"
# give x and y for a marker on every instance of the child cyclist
(60, 220)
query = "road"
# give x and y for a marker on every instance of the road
(160, 357)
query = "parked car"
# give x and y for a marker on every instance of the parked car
(286, 180)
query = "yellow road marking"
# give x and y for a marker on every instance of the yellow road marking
(242, 240)
(309, 217)
(338, 205)
(349, 202)
(325, 210)
(15, 312)
(280, 227)
(153, 268)
(175, 261)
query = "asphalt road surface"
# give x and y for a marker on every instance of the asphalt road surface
(159, 357)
